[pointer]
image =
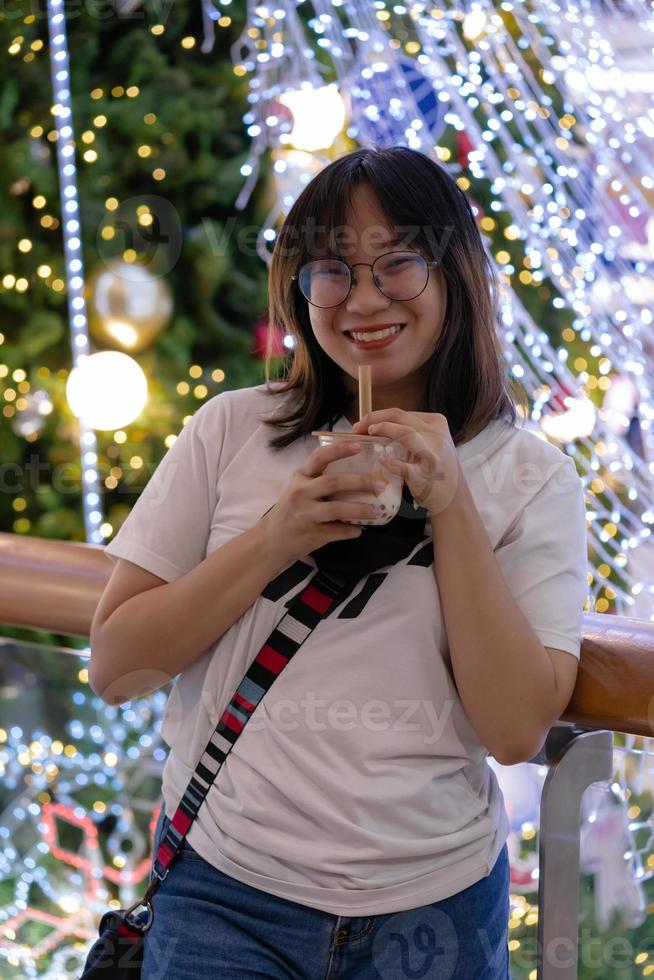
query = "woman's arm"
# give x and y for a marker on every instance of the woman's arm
(512, 689)
(154, 635)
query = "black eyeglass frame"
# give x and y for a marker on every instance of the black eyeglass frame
(430, 264)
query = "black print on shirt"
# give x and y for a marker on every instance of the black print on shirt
(287, 582)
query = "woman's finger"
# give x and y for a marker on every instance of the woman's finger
(403, 434)
(394, 465)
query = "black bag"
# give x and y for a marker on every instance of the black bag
(118, 952)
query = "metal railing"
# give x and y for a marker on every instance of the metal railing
(56, 585)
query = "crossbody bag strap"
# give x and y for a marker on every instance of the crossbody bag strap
(319, 597)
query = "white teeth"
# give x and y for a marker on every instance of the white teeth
(378, 334)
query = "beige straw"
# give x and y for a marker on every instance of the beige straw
(365, 390)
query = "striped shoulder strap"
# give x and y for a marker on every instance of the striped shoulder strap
(322, 594)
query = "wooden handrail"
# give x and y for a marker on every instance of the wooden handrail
(56, 586)
(615, 683)
(51, 585)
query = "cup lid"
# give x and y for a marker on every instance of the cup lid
(351, 435)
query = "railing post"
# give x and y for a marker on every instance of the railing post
(576, 758)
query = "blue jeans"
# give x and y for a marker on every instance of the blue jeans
(209, 926)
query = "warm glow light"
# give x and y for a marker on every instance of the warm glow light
(318, 115)
(575, 423)
(474, 24)
(124, 333)
(70, 903)
(108, 390)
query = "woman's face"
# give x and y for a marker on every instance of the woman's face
(398, 369)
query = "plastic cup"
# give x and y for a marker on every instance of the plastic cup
(366, 462)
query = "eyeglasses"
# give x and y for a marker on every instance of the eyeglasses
(398, 275)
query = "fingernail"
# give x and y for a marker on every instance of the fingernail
(379, 485)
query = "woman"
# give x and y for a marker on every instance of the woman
(356, 830)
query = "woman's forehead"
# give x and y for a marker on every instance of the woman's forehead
(373, 232)
(364, 209)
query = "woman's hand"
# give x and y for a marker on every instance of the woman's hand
(302, 520)
(432, 472)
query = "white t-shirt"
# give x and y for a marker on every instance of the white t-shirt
(358, 786)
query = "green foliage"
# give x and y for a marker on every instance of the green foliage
(188, 110)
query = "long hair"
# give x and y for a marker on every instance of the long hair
(467, 378)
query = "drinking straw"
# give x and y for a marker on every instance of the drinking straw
(365, 390)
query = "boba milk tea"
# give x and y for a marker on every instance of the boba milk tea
(366, 460)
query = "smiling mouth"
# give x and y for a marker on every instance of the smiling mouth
(370, 336)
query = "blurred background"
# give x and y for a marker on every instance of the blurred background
(149, 152)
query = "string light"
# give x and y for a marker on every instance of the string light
(75, 783)
(72, 237)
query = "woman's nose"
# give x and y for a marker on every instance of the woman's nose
(364, 295)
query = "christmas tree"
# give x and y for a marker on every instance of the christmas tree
(160, 148)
